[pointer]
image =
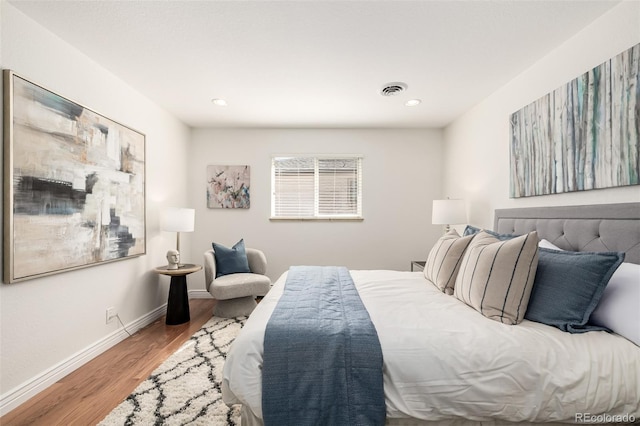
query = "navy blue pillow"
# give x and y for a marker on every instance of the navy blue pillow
(230, 260)
(568, 286)
(472, 230)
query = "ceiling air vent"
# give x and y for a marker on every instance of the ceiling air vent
(391, 89)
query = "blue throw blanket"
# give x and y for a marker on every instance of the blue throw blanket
(322, 356)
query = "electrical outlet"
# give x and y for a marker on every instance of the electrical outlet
(111, 314)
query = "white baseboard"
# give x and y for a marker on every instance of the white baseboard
(20, 394)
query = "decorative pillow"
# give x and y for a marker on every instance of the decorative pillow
(619, 308)
(472, 230)
(230, 260)
(548, 245)
(444, 259)
(496, 277)
(568, 287)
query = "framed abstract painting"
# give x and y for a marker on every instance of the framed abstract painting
(583, 135)
(74, 184)
(228, 187)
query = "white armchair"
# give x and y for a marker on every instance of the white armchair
(236, 293)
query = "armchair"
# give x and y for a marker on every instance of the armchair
(236, 293)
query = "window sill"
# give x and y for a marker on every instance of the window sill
(317, 219)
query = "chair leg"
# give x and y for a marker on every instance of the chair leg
(230, 308)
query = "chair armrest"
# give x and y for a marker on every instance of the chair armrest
(257, 261)
(209, 268)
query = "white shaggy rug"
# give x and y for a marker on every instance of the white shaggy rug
(185, 389)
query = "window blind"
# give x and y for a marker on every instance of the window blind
(316, 187)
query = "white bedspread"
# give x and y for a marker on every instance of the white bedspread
(444, 360)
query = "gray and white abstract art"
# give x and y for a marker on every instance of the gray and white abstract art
(78, 185)
(582, 136)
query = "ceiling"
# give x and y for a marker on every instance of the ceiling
(315, 63)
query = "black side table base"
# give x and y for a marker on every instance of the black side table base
(178, 304)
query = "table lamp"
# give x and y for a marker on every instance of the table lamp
(177, 220)
(448, 212)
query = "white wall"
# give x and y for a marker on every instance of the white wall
(401, 175)
(46, 322)
(477, 144)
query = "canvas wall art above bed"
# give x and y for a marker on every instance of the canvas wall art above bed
(583, 135)
(494, 330)
(74, 184)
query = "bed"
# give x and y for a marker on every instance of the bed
(447, 363)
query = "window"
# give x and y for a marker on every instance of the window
(316, 187)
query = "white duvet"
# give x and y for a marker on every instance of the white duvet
(443, 360)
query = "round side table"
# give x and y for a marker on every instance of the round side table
(178, 303)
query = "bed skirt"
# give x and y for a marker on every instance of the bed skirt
(249, 419)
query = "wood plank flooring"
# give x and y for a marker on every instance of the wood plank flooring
(87, 395)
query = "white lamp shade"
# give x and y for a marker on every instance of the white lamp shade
(448, 212)
(178, 220)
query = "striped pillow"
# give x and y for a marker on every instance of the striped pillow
(496, 277)
(444, 259)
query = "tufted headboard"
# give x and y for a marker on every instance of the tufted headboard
(602, 227)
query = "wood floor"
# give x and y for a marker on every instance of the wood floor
(87, 395)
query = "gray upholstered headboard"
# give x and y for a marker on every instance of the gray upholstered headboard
(602, 227)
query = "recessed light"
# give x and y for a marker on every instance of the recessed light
(412, 102)
(219, 102)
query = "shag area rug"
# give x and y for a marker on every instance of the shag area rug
(185, 389)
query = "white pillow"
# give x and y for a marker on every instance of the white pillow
(548, 245)
(619, 307)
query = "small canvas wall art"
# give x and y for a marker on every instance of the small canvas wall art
(228, 187)
(74, 184)
(582, 136)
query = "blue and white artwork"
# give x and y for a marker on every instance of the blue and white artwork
(228, 187)
(77, 193)
(582, 136)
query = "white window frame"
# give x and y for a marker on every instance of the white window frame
(317, 216)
